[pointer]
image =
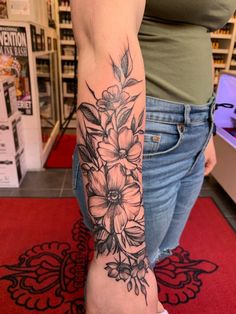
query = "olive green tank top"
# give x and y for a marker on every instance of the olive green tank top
(176, 46)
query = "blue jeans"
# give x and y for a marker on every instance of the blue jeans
(173, 170)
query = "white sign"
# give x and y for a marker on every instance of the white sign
(20, 7)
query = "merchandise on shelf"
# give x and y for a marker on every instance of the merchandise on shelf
(67, 35)
(68, 51)
(8, 101)
(68, 67)
(11, 135)
(12, 169)
(224, 30)
(64, 3)
(65, 18)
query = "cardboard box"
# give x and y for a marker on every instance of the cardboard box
(11, 135)
(12, 169)
(8, 101)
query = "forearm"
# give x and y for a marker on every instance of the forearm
(111, 118)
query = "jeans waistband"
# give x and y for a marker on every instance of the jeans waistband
(177, 112)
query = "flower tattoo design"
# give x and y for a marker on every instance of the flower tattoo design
(110, 151)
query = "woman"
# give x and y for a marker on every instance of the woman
(125, 170)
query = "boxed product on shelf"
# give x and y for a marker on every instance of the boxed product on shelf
(8, 101)
(12, 169)
(11, 134)
(68, 51)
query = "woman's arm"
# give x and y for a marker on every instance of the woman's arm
(111, 117)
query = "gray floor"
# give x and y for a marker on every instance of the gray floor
(57, 183)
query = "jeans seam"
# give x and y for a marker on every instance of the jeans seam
(203, 148)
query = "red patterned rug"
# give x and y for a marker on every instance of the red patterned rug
(45, 249)
(61, 154)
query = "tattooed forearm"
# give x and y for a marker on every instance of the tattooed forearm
(110, 151)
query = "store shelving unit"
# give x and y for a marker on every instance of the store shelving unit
(66, 48)
(224, 49)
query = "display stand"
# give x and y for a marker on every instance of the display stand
(225, 139)
(37, 85)
(12, 156)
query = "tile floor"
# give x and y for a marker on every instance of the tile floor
(57, 183)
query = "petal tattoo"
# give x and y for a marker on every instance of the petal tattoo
(110, 145)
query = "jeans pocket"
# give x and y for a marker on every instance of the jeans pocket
(161, 137)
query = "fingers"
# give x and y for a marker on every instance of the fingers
(209, 166)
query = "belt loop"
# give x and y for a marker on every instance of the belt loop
(187, 109)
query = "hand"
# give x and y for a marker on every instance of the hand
(210, 157)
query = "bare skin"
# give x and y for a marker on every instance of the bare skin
(111, 122)
(210, 157)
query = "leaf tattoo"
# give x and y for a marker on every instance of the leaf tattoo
(90, 112)
(110, 151)
(116, 71)
(127, 63)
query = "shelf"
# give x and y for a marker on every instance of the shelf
(43, 75)
(44, 94)
(64, 9)
(44, 56)
(41, 54)
(69, 76)
(68, 58)
(67, 95)
(66, 26)
(234, 51)
(220, 51)
(233, 63)
(232, 20)
(221, 36)
(67, 42)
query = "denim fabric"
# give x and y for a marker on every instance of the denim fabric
(176, 136)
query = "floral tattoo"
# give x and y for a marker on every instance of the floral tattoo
(110, 151)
